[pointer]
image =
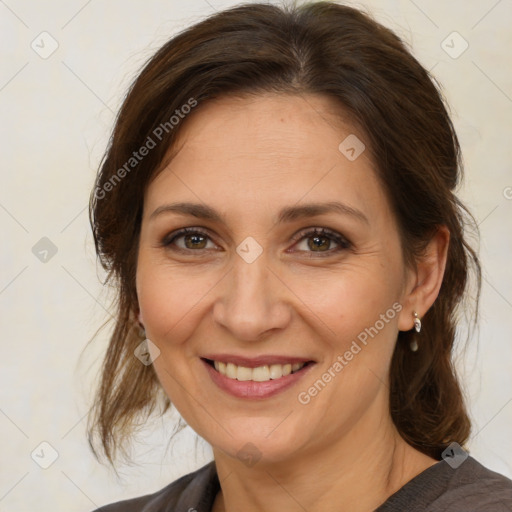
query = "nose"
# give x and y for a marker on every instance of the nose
(253, 300)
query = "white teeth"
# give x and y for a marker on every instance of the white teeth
(276, 371)
(231, 371)
(243, 373)
(259, 374)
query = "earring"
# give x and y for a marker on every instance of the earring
(142, 332)
(417, 322)
(417, 325)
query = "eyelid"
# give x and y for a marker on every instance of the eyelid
(321, 231)
(170, 237)
(343, 243)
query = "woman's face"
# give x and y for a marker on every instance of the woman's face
(252, 287)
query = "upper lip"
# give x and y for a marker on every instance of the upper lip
(254, 362)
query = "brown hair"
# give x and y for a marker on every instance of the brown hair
(319, 48)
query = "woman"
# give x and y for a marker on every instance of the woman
(277, 210)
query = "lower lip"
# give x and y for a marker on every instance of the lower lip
(255, 390)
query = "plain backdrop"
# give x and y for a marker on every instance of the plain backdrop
(65, 66)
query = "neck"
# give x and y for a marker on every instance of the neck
(355, 473)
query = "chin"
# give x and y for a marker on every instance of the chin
(258, 441)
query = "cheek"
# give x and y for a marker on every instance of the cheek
(346, 302)
(169, 299)
(170, 302)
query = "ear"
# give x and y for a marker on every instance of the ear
(137, 315)
(424, 283)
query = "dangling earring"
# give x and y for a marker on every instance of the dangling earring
(417, 322)
(417, 326)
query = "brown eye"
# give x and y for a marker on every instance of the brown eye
(319, 240)
(193, 240)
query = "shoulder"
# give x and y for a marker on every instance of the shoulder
(193, 491)
(469, 487)
(474, 487)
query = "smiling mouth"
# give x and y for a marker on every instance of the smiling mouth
(259, 374)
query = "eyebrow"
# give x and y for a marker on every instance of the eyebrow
(287, 214)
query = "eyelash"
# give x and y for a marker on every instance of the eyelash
(343, 243)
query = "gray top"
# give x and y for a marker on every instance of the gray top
(469, 488)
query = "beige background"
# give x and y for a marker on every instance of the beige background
(56, 114)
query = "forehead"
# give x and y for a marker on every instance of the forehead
(283, 121)
(265, 150)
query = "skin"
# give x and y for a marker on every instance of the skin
(248, 158)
